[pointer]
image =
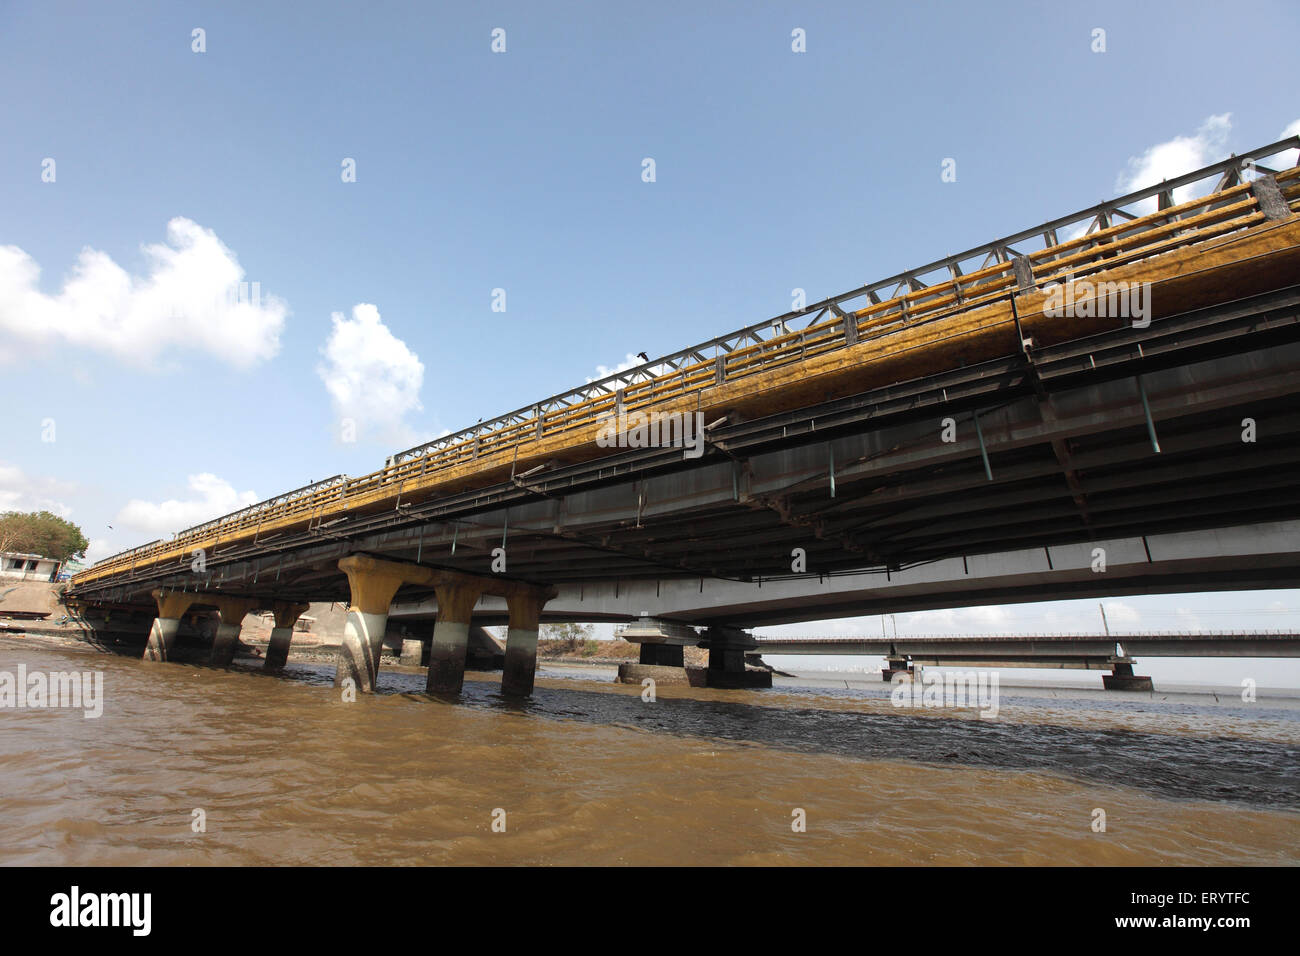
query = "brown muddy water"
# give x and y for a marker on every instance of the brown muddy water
(285, 772)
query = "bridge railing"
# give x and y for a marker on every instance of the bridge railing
(1111, 234)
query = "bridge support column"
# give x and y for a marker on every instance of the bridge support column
(412, 652)
(1122, 677)
(277, 651)
(371, 585)
(520, 667)
(456, 600)
(663, 655)
(172, 606)
(895, 665)
(226, 641)
(727, 647)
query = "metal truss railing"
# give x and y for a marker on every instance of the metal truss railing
(1228, 196)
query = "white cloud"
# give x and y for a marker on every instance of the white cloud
(1177, 156)
(98, 549)
(372, 376)
(1121, 616)
(19, 492)
(604, 371)
(190, 298)
(631, 361)
(1288, 157)
(214, 497)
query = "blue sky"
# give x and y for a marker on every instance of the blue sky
(520, 171)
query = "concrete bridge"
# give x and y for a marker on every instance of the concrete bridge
(1112, 652)
(1102, 404)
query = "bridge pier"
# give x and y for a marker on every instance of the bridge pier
(412, 652)
(172, 606)
(521, 642)
(1122, 677)
(895, 665)
(371, 586)
(727, 647)
(663, 655)
(226, 641)
(277, 651)
(456, 600)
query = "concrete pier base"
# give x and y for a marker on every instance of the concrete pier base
(412, 652)
(363, 640)
(520, 666)
(738, 680)
(162, 637)
(1123, 678)
(447, 656)
(662, 674)
(727, 649)
(895, 665)
(226, 641)
(277, 650)
(224, 645)
(172, 606)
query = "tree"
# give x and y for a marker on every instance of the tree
(573, 634)
(43, 533)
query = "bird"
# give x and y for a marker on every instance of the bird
(642, 356)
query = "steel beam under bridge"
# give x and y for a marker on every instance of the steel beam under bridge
(1246, 557)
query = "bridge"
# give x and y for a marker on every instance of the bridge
(1101, 404)
(662, 644)
(1113, 652)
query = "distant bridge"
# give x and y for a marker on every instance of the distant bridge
(1086, 651)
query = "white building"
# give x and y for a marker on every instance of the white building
(27, 567)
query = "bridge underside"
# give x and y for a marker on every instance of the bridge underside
(1051, 453)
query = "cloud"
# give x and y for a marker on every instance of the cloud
(190, 298)
(1177, 156)
(1288, 157)
(373, 378)
(604, 371)
(19, 492)
(632, 361)
(214, 497)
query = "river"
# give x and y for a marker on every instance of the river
(188, 765)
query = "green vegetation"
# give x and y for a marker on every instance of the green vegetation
(571, 634)
(43, 533)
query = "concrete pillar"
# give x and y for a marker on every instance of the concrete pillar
(727, 648)
(664, 655)
(521, 642)
(172, 606)
(277, 651)
(456, 600)
(895, 665)
(226, 642)
(372, 584)
(1123, 678)
(412, 652)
